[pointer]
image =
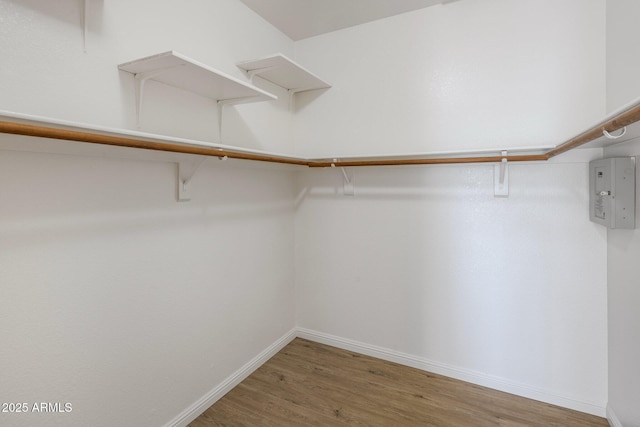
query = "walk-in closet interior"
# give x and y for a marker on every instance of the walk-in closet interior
(188, 186)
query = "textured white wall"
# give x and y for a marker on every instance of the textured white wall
(623, 66)
(47, 73)
(426, 262)
(623, 63)
(125, 303)
(466, 75)
(623, 300)
(132, 306)
(116, 298)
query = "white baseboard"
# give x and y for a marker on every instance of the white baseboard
(497, 383)
(467, 375)
(612, 418)
(193, 411)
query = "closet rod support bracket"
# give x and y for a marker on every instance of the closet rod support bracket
(349, 188)
(501, 177)
(186, 171)
(609, 136)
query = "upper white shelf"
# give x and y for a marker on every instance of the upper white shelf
(174, 69)
(282, 71)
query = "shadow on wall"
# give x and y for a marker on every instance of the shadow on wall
(166, 110)
(303, 99)
(83, 197)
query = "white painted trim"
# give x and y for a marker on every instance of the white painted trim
(462, 374)
(612, 418)
(202, 404)
(474, 377)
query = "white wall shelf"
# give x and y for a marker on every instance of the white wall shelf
(177, 70)
(282, 71)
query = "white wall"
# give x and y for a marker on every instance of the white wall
(132, 307)
(424, 261)
(466, 75)
(623, 66)
(623, 301)
(47, 73)
(116, 298)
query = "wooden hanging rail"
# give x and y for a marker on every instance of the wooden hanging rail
(619, 120)
(427, 161)
(96, 138)
(614, 122)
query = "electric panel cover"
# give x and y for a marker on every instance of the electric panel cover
(612, 191)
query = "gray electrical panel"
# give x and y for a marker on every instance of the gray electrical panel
(612, 192)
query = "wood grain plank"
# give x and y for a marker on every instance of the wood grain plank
(311, 384)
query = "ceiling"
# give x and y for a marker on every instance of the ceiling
(300, 19)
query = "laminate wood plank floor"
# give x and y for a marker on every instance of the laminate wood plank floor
(311, 384)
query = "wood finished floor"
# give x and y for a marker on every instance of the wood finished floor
(310, 384)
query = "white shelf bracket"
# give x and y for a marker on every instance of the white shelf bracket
(83, 24)
(257, 71)
(221, 104)
(501, 177)
(186, 171)
(140, 79)
(291, 92)
(220, 110)
(349, 188)
(292, 99)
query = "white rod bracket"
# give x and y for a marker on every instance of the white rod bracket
(186, 171)
(501, 177)
(609, 136)
(349, 187)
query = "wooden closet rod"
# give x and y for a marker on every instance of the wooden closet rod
(96, 138)
(624, 118)
(618, 121)
(428, 161)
